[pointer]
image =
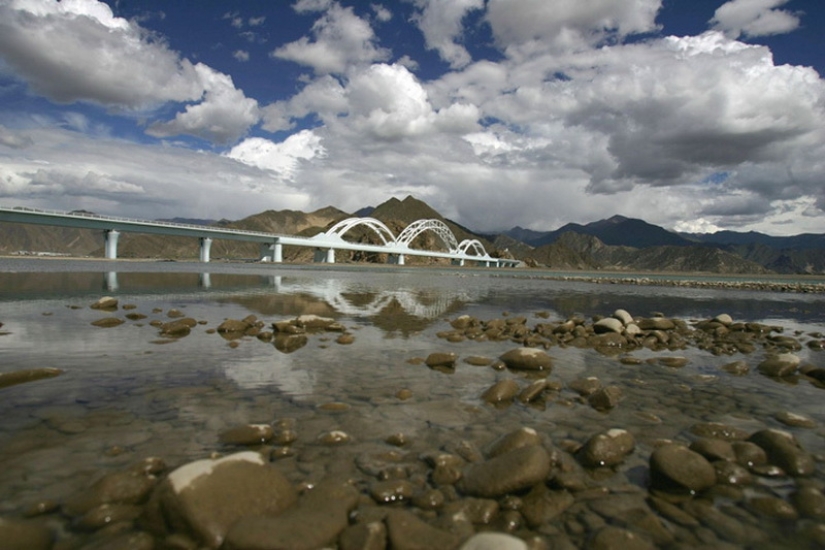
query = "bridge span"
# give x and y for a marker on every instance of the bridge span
(271, 244)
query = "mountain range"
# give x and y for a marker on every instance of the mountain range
(617, 243)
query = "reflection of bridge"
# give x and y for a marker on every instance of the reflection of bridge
(271, 244)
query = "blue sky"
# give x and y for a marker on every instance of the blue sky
(696, 115)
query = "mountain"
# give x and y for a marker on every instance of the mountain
(617, 231)
(804, 241)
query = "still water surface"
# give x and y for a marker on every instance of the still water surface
(127, 393)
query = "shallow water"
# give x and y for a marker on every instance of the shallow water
(127, 393)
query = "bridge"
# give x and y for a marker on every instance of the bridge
(325, 244)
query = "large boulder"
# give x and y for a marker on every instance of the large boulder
(527, 359)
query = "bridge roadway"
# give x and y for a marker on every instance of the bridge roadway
(271, 244)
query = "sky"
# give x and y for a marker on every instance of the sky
(696, 115)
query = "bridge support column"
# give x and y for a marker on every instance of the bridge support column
(206, 246)
(331, 256)
(277, 252)
(395, 259)
(325, 256)
(265, 253)
(111, 244)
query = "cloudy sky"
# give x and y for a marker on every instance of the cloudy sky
(695, 115)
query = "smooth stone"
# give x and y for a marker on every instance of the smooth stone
(30, 375)
(542, 505)
(731, 473)
(179, 327)
(527, 359)
(605, 398)
(673, 362)
(288, 343)
(585, 386)
(391, 490)
(441, 359)
(721, 523)
(510, 472)
(607, 448)
(494, 541)
(718, 430)
(364, 536)
(616, 538)
(108, 322)
(736, 368)
(316, 323)
(623, 316)
(795, 420)
(656, 323)
(107, 514)
(127, 487)
(773, 508)
(780, 365)
(249, 434)
(724, 319)
(477, 360)
(231, 326)
(334, 437)
(523, 437)
(106, 302)
(479, 511)
(345, 339)
(533, 391)
(674, 466)
(608, 324)
(315, 521)
(632, 330)
(714, 449)
(447, 468)
(207, 497)
(784, 451)
(18, 534)
(408, 532)
(810, 502)
(502, 391)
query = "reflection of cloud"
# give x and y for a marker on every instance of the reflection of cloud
(272, 371)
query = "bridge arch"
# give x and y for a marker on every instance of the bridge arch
(384, 233)
(420, 226)
(477, 247)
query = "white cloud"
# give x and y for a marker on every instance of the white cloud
(78, 51)
(340, 41)
(282, 158)
(381, 13)
(754, 18)
(441, 23)
(241, 55)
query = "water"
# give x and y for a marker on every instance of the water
(127, 393)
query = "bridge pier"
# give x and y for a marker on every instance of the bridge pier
(325, 256)
(395, 259)
(277, 252)
(111, 243)
(206, 246)
(265, 253)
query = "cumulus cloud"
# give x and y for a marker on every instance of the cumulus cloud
(282, 158)
(440, 22)
(340, 40)
(79, 51)
(754, 18)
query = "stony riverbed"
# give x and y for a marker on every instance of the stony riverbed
(509, 431)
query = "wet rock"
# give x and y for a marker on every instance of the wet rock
(749, 454)
(178, 327)
(724, 525)
(718, 430)
(673, 512)
(206, 497)
(315, 521)
(795, 420)
(608, 324)
(233, 326)
(288, 343)
(542, 505)
(334, 437)
(477, 360)
(345, 339)
(656, 323)
(731, 473)
(408, 532)
(606, 398)
(724, 319)
(675, 467)
(623, 316)
(431, 499)
(607, 448)
(631, 510)
(585, 386)
(534, 391)
(364, 536)
(479, 511)
(714, 449)
(107, 514)
(673, 362)
(523, 437)
(616, 538)
(108, 322)
(391, 490)
(247, 434)
(441, 360)
(784, 451)
(506, 473)
(494, 541)
(130, 540)
(105, 303)
(527, 359)
(773, 508)
(780, 365)
(175, 313)
(736, 368)
(447, 468)
(30, 375)
(810, 502)
(131, 486)
(314, 323)
(503, 391)
(24, 535)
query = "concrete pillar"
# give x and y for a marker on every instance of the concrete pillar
(278, 252)
(265, 252)
(206, 246)
(111, 244)
(331, 256)
(400, 259)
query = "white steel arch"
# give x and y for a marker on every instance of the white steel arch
(474, 244)
(436, 226)
(383, 232)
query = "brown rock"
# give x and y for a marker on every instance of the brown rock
(502, 391)
(616, 538)
(784, 451)
(527, 359)
(407, 532)
(247, 434)
(441, 360)
(780, 365)
(523, 437)
(605, 398)
(364, 536)
(541, 505)
(24, 535)
(108, 322)
(105, 303)
(30, 375)
(607, 448)
(506, 473)
(675, 467)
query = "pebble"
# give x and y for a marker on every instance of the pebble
(675, 467)
(605, 398)
(784, 451)
(30, 375)
(248, 434)
(780, 365)
(503, 391)
(795, 420)
(607, 448)
(108, 322)
(105, 303)
(510, 472)
(527, 359)
(494, 541)
(441, 360)
(407, 532)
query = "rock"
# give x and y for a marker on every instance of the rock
(447, 468)
(317, 519)
(287, 343)
(506, 473)
(675, 467)
(247, 434)
(407, 532)
(632, 330)
(207, 497)
(527, 359)
(717, 430)
(175, 313)
(233, 326)
(334, 437)
(731, 473)
(656, 323)
(131, 486)
(724, 319)
(608, 324)
(623, 316)
(108, 322)
(523, 437)
(714, 449)
(605, 398)
(749, 454)
(616, 538)
(441, 360)
(178, 327)
(345, 339)
(502, 391)
(364, 536)
(737, 368)
(391, 490)
(315, 323)
(24, 535)
(493, 541)
(673, 362)
(105, 303)
(533, 391)
(784, 451)
(30, 375)
(585, 386)
(607, 448)
(795, 420)
(772, 508)
(810, 502)
(780, 365)
(541, 505)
